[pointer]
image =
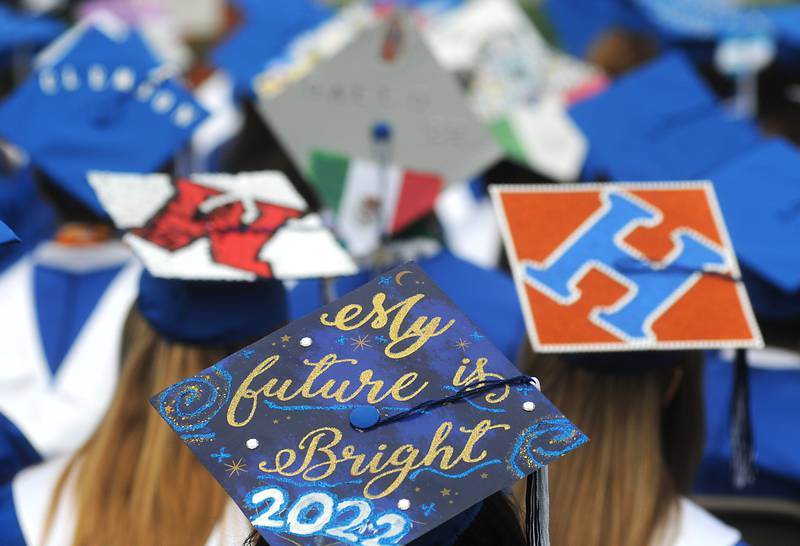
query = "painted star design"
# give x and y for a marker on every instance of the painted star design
(275, 421)
(341, 340)
(221, 455)
(236, 468)
(285, 338)
(445, 492)
(484, 476)
(381, 339)
(462, 344)
(360, 342)
(476, 336)
(385, 279)
(248, 353)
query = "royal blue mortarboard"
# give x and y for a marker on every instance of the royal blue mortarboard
(700, 19)
(266, 30)
(25, 30)
(640, 104)
(6, 235)
(98, 101)
(372, 420)
(786, 22)
(579, 23)
(759, 193)
(685, 148)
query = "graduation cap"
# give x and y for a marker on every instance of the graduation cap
(25, 30)
(386, 76)
(611, 270)
(373, 420)
(6, 235)
(98, 100)
(759, 192)
(657, 121)
(230, 227)
(616, 267)
(700, 19)
(264, 32)
(371, 200)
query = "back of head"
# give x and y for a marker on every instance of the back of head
(127, 474)
(646, 430)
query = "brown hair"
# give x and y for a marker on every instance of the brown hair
(619, 50)
(646, 444)
(128, 474)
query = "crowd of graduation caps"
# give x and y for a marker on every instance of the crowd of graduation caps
(67, 290)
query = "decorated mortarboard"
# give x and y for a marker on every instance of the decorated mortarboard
(230, 227)
(622, 267)
(373, 420)
(264, 31)
(386, 76)
(98, 100)
(6, 235)
(759, 193)
(25, 30)
(371, 200)
(517, 83)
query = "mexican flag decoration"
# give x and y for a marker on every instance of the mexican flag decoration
(370, 199)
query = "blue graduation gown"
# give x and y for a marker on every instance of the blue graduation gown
(487, 296)
(25, 212)
(60, 331)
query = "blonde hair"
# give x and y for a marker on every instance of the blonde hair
(623, 487)
(135, 481)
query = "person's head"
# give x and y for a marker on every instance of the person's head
(646, 430)
(620, 50)
(494, 522)
(127, 474)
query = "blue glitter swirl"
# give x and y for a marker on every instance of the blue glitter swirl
(190, 405)
(464, 474)
(565, 438)
(298, 483)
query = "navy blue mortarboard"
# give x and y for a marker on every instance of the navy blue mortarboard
(373, 420)
(25, 30)
(656, 124)
(6, 235)
(212, 312)
(759, 193)
(98, 100)
(266, 30)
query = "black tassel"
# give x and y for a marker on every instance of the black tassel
(537, 509)
(742, 462)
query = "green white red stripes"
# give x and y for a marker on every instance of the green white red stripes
(370, 199)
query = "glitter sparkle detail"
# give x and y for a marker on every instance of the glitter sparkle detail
(236, 468)
(462, 344)
(360, 342)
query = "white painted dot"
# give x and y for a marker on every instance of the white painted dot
(123, 79)
(252, 443)
(184, 115)
(529, 406)
(97, 77)
(69, 78)
(404, 504)
(48, 82)
(145, 91)
(305, 342)
(163, 101)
